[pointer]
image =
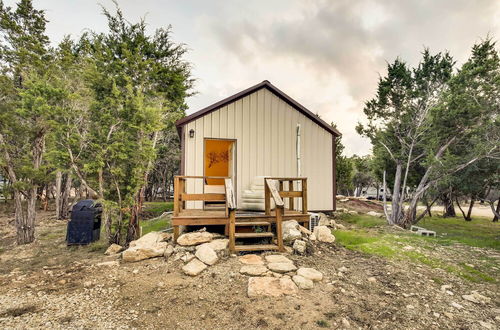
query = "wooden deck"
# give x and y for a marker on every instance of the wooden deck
(241, 224)
(191, 217)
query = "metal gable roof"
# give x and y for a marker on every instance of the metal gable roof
(273, 89)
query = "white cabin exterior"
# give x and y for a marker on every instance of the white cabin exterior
(259, 132)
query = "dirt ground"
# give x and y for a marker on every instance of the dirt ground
(48, 285)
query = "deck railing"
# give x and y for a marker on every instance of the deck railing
(181, 196)
(272, 192)
(291, 194)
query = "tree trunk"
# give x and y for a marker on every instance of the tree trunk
(58, 193)
(449, 207)
(396, 196)
(471, 206)
(133, 231)
(428, 207)
(64, 200)
(460, 208)
(497, 211)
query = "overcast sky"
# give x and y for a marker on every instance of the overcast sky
(327, 55)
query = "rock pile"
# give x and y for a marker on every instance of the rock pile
(199, 250)
(276, 275)
(301, 238)
(151, 245)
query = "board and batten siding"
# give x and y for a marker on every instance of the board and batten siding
(265, 129)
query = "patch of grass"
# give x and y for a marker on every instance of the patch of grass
(363, 220)
(480, 232)
(98, 246)
(155, 209)
(389, 246)
(155, 225)
(322, 324)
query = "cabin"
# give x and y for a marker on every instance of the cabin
(250, 161)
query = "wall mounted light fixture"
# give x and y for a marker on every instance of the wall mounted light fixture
(191, 133)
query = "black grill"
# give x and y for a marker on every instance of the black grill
(85, 224)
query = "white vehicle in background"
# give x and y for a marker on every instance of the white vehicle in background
(374, 193)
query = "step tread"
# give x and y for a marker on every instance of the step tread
(252, 235)
(253, 223)
(256, 247)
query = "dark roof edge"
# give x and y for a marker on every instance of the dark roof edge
(248, 91)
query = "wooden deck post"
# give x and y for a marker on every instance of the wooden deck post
(304, 196)
(232, 228)
(267, 198)
(176, 196)
(176, 206)
(279, 228)
(291, 205)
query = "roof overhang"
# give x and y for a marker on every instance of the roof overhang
(273, 89)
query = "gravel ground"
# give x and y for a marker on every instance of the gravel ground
(47, 285)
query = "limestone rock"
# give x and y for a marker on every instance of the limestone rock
(340, 226)
(271, 286)
(312, 237)
(281, 267)
(302, 282)
(194, 238)
(216, 244)
(148, 246)
(113, 249)
(304, 230)
(251, 259)
(169, 250)
(476, 298)
(299, 246)
(108, 263)
(375, 214)
(278, 258)
(187, 257)
(291, 230)
(194, 267)
(353, 212)
(323, 220)
(151, 238)
(310, 273)
(324, 234)
(253, 270)
(207, 255)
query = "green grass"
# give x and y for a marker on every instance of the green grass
(370, 237)
(480, 232)
(155, 209)
(155, 225)
(322, 324)
(363, 220)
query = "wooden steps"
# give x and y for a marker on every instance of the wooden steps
(265, 235)
(256, 247)
(252, 223)
(253, 235)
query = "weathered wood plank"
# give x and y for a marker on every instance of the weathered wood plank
(304, 196)
(275, 193)
(203, 197)
(198, 221)
(267, 199)
(256, 247)
(230, 200)
(279, 229)
(232, 229)
(291, 194)
(176, 196)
